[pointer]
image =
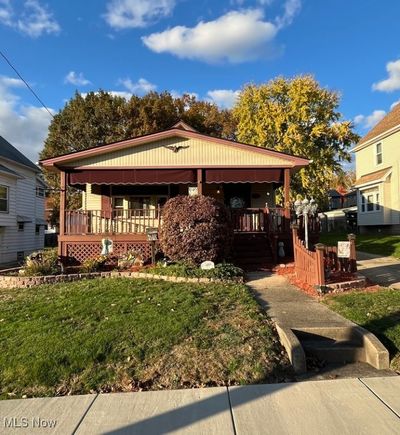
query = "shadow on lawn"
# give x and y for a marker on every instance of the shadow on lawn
(380, 326)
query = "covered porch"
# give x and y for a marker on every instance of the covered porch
(124, 186)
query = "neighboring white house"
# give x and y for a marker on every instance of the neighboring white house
(22, 194)
(378, 176)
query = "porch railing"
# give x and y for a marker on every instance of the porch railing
(254, 220)
(116, 221)
(136, 221)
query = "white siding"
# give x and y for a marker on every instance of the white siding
(24, 202)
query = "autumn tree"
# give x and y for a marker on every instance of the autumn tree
(101, 117)
(299, 117)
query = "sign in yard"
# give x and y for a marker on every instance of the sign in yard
(343, 249)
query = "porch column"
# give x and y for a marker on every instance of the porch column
(286, 192)
(200, 181)
(63, 185)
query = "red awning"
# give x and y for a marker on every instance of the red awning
(244, 176)
(132, 176)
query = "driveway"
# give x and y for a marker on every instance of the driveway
(384, 271)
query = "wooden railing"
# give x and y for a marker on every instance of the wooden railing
(256, 220)
(117, 221)
(309, 265)
(136, 221)
(315, 267)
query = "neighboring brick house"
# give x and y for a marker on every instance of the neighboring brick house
(22, 194)
(378, 174)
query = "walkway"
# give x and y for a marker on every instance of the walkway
(336, 345)
(348, 406)
(384, 271)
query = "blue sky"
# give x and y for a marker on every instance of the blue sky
(207, 47)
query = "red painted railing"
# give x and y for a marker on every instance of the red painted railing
(313, 267)
(117, 221)
(136, 221)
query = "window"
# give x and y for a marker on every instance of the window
(379, 153)
(40, 192)
(370, 200)
(140, 203)
(118, 202)
(21, 226)
(3, 199)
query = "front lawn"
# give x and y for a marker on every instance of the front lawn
(379, 312)
(123, 335)
(379, 244)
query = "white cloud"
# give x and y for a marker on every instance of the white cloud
(224, 98)
(369, 121)
(141, 87)
(76, 79)
(394, 104)
(237, 36)
(125, 14)
(291, 9)
(392, 83)
(234, 37)
(34, 19)
(24, 126)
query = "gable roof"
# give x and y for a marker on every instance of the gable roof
(373, 177)
(180, 130)
(390, 121)
(9, 152)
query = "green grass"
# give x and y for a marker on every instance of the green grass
(379, 244)
(379, 312)
(123, 335)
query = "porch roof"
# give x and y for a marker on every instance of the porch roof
(178, 147)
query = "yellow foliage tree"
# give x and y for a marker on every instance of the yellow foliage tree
(299, 117)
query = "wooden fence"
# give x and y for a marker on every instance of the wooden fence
(315, 267)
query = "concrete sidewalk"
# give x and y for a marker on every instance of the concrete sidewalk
(348, 406)
(384, 271)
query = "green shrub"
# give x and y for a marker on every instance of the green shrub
(195, 229)
(41, 263)
(223, 271)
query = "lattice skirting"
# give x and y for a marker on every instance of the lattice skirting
(80, 251)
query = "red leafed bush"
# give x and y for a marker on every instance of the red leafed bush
(195, 229)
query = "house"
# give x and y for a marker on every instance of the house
(22, 193)
(378, 175)
(125, 184)
(342, 212)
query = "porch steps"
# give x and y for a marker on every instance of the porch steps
(252, 251)
(333, 345)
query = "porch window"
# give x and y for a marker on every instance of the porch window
(370, 200)
(141, 204)
(379, 158)
(3, 199)
(118, 202)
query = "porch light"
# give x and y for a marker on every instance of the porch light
(306, 208)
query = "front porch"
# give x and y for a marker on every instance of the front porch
(125, 184)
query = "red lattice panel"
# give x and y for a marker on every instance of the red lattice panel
(80, 251)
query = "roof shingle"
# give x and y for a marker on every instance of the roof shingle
(11, 153)
(391, 120)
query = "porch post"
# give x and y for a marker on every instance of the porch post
(286, 192)
(200, 181)
(63, 185)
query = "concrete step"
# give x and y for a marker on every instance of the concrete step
(334, 352)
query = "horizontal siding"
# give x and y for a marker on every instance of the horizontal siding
(90, 200)
(196, 153)
(23, 201)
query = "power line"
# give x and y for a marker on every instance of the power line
(26, 83)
